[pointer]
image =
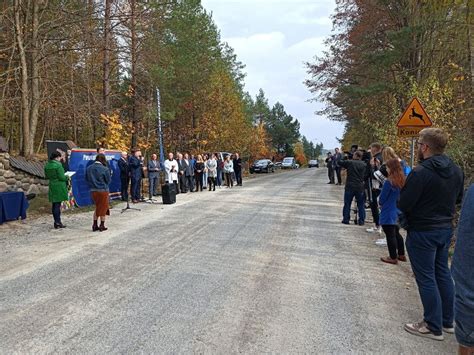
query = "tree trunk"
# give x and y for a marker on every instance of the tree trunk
(35, 80)
(133, 54)
(25, 104)
(106, 58)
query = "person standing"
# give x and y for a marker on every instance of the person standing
(182, 167)
(373, 186)
(330, 166)
(389, 212)
(189, 173)
(220, 167)
(228, 170)
(171, 169)
(238, 169)
(205, 175)
(356, 174)
(198, 172)
(154, 169)
(124, 175)
(57, 192)
(136, 165)
(211, 166)
(428, 202)
(337, 157)
(98, 177)
(463, 273)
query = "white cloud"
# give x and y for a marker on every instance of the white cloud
(274, 38)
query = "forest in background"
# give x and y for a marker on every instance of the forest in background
(384, 52)
(88, 70)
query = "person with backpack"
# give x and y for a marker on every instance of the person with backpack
(428, 201)
(389, 212)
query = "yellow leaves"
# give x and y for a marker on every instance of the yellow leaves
(117, 135)
(299, 153)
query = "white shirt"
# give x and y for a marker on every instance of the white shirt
(169, 165)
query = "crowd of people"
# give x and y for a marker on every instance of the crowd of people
(187, 173)
(422, 201)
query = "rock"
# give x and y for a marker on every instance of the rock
(44, 182)
(44, 189)
(26, 180)
(1, 165)
(9, 174)
(25, 187)
(6, 164)
(10, 181)
(2, 179)
(3, 187)
(33, 190)
(2, 172)
(7, 156)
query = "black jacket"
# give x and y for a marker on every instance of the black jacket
(356, 174)
(124, 168)
(430, 194)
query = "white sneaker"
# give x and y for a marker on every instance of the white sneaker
(381, 242)
(374, 230)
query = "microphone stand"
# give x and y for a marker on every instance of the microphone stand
(127, 207)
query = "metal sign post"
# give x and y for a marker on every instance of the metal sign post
(160, 130)
(412, 154)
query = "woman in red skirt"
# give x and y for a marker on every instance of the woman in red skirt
(98, 177)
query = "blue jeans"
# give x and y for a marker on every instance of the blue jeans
(346, 212)
(152, 184)
(428, 251)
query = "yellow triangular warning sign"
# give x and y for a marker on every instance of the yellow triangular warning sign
(415, 116)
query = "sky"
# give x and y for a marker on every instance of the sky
(274, 38)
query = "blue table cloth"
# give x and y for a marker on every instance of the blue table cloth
(13, 205)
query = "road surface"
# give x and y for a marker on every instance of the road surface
(267, 267)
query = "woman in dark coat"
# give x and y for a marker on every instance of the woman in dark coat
(98, 177)
(57, 193)
(198, 172)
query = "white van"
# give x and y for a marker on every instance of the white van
(288, 163)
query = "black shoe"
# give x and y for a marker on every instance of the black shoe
(344, 222)
(361, 223)
(329, 183)
(59, 225)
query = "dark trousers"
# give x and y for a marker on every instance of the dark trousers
(212, 183)
(238, 177)
(176, 186)
(374, 206)
(346, 212)
(428, 251)
(338, 174)
(124, 182)
(182, 183)
(395, 241)
(152, 184)
(189, 182)
(56, 209)
(198, 180)
(331, 174)
(228, 180)
(135, 189)
(219, 178)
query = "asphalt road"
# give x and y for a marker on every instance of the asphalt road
(267, 267)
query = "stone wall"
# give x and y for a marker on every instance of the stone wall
(12, 179)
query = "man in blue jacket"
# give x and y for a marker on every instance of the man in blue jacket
(428, 201)
(463, 274)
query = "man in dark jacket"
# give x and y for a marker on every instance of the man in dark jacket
(182, 168)
(136, 164)
(189, 173)
(329, 164)
(428, 201)
(356, 175)
(154, 169)
(124, 175)
(337, 157)
(238, 169)
(463, 274)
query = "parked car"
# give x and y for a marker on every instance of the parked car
(313, 164)
(288, 163)
(262, 165)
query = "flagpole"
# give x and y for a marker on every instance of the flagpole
(160, 128)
